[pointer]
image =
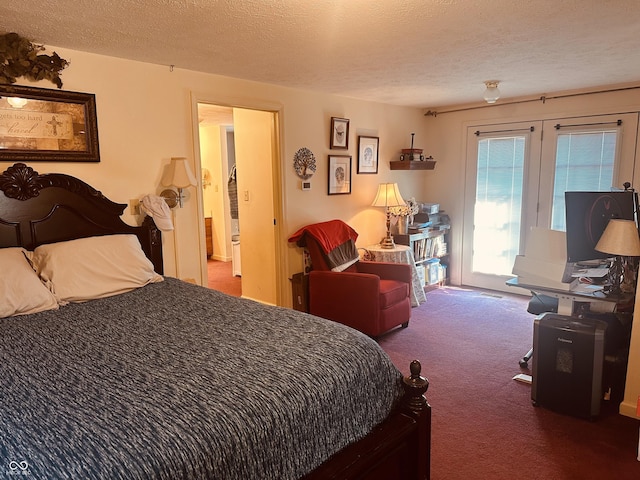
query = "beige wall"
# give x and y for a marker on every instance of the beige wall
(146, 116)
(213, 195)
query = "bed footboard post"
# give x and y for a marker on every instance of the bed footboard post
(416, 405)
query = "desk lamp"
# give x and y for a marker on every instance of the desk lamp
(388, 196)
(621, 239)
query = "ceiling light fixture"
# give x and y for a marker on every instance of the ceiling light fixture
(491, 94)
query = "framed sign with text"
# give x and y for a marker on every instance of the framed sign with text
(39, 124)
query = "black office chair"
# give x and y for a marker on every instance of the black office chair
(538, 304)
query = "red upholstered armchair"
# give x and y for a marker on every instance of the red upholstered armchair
(372, 297)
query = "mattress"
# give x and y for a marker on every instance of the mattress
(175, 381)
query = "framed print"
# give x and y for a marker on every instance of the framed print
(368, 154)
(39, 124)
(339, 133)
(339, 174)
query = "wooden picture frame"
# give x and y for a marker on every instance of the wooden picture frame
(339, 175)
(339, 133)
(39, 124)
(368, 148)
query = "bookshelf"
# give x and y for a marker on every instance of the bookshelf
(430, 248)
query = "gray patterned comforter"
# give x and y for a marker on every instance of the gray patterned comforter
(174, 381)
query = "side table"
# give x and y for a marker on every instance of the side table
(401, 254)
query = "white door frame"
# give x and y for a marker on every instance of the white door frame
(281, 260)
(529, 194)
(538, 177)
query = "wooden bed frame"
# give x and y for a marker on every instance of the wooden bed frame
(39, 209)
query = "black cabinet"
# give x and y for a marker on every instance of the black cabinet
(300, 291)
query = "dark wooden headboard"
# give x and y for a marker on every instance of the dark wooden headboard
(37, 209)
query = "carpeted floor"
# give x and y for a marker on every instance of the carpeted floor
(484, 425)
(222, 279)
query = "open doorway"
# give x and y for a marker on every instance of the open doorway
(219, 197)
(238, 150)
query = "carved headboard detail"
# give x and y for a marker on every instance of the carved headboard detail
(37, 209)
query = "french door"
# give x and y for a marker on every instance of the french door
(516, 178)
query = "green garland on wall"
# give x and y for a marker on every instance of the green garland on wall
(21, 58)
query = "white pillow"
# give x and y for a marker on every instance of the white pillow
(94, 267)
(21, 291)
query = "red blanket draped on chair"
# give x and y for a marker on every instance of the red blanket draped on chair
(336, 239)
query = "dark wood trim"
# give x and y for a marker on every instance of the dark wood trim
(412, 165)
(398, 448)
(38, 209)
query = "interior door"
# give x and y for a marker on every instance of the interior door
(255, 144)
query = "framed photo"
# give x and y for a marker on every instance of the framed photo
(339, 133)
(339, 174)
(368, 154)
(40, 124)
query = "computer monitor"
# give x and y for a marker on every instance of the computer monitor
(587, 215)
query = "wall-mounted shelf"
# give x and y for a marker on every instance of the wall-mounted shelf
(413, 165)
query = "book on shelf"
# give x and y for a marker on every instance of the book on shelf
(428, 248)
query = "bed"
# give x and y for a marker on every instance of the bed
(110, 370)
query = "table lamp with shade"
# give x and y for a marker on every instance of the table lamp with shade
(388, 196)
(621, 239)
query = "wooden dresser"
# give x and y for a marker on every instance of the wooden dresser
(208, 228)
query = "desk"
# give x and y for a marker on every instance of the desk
(598, 301)
(401, 254)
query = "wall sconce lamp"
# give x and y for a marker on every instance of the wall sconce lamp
(388, 196)
(178, 174)
(491, 94)
(621, 239)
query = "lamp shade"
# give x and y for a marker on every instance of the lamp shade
(178, 174)
(620, 238)
(388, 196)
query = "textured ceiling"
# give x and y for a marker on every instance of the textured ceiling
(424, 53)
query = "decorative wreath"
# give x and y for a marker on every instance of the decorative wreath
(21, 58)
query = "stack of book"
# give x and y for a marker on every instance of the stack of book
(432, 247)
